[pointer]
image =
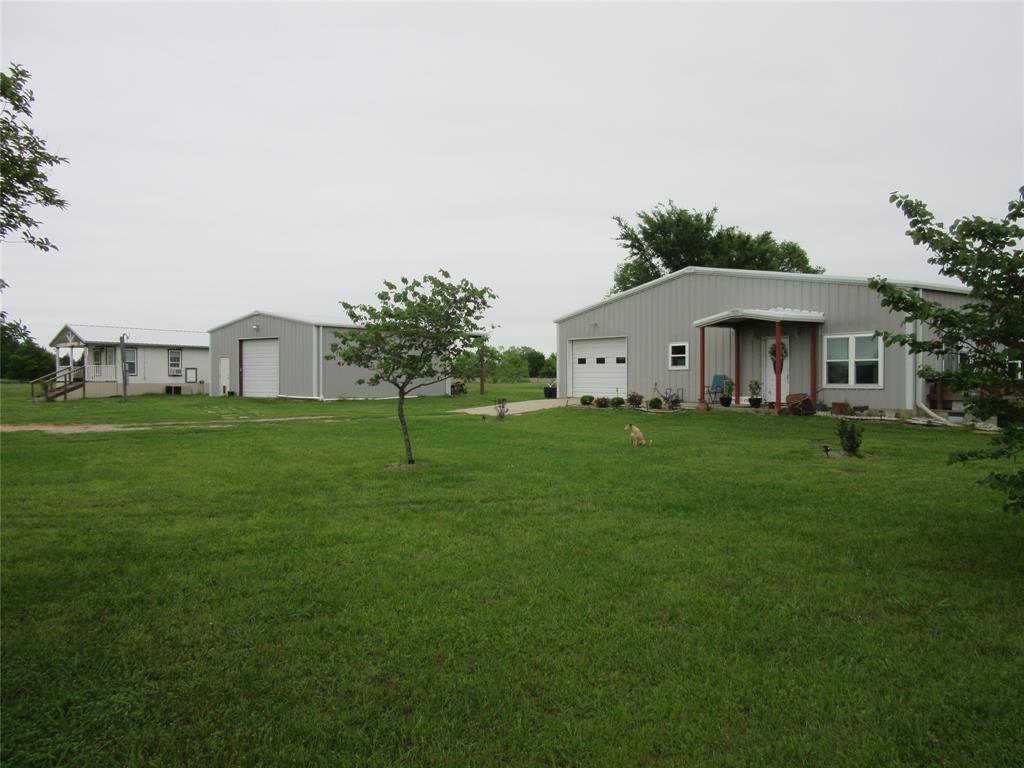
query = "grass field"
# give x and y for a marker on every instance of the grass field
(536, 592)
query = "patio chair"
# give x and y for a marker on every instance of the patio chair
(716, 388)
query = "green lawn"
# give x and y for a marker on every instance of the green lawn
(16, 407)
(536, 593)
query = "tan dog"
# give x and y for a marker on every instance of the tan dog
(636, 437)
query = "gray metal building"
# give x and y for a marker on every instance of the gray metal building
(266, 354)
(655, 336)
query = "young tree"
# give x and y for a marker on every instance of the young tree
(987, 334)
(668, 238)
(415, 336)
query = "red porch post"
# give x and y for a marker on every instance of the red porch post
(778, 365)
(736, 365)
(814, 364)
(701, 385)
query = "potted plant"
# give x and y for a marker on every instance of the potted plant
(727, 389)
(755, 393)
(551, 390)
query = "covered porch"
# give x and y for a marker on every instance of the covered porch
(773, 330)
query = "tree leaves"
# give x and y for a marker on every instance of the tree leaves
(986, 335)
(415, 335)
(668, 238)
(23, 163)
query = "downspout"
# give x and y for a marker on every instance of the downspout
(917, 382)
(319, 362)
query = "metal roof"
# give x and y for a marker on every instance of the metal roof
(324, 322)
(949, 287)
(137, 337)
(784, 314)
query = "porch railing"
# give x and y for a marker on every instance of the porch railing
(58, 383)
(101, 372)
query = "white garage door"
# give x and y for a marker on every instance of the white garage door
(260, 368)
(599, 367)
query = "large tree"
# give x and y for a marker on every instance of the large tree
(415, 336)
(985, 336)
(24, 161)
(21, 359)
(668, 238)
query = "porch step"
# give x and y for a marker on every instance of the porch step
(54, 394)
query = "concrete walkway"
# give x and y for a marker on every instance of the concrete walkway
(523, 406)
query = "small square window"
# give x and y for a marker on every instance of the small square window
(678, 354)
(581, 361)
(599, 361)
(620, 360)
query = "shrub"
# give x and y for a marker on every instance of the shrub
(586, 399)
(850, 436)
(601, 402)
(618, 402)
(672, 401)
(635, 399)
(754, 385)
(654, 403)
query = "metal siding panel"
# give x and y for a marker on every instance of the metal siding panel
(340, 381)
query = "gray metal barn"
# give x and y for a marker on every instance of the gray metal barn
(676, 332)
(266, 354)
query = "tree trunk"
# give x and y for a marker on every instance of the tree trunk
(405, 427)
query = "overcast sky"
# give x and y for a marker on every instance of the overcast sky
(281, 156)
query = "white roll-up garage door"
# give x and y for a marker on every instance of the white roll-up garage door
(260, 368)
(599, 367)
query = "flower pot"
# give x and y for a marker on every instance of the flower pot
(550, 393)
(725, 400)
(755, 402)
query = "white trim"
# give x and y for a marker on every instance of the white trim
(134, 361)
(852, 360)
(761, 275)
(783, 314)
(670, 356)
(321, 322)
(181, 362)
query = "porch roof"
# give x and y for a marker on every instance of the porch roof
(783, 314)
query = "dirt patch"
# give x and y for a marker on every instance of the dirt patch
(72, 429)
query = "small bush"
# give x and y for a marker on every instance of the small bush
(654, 403)
(586, 399)
(635, 399)
(601, 402)
(850, 436)
(672, 401)
(618, 402)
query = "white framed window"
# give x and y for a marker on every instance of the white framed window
(679, 356)
(131, 361)
(853, 361)
(174, 362)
